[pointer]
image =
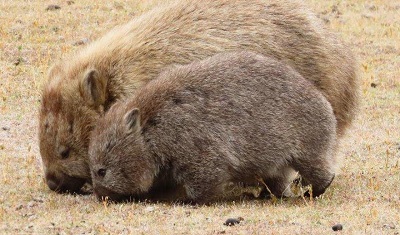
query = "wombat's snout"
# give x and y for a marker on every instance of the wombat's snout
(64, 183)
(52, 184)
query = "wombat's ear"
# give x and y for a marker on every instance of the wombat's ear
(93, 88)
(132, 119)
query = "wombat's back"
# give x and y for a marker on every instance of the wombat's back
(249, 109)
(180, 32)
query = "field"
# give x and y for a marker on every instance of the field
(364, 198)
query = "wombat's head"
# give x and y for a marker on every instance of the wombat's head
(69, 109)
(120, 163)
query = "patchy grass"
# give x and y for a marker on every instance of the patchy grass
(364, 197)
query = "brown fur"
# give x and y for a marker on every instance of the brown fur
(82, 87)
(224, 121)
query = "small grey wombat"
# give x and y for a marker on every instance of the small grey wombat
(229, 119)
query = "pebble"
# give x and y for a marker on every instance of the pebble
(38, 200)
(81, 42)
(233, 221)
(32, 204)
(337, 227)
(389, 226)
(367, 16)
(53, 7)
(149, 209)
(17, 61)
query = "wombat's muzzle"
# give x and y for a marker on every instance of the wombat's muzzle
(64, 183)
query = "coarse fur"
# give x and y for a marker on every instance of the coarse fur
(231, 119)
(81, 88)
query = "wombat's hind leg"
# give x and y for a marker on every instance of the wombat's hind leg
(279, 185)
(319, 176)
(203, 194)
(205, 189)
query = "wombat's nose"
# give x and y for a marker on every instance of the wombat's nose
(64, 183)
(52, 184)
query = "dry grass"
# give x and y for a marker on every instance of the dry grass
(364, 198)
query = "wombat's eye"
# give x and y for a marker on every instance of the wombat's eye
(101, 172)
(65, 153)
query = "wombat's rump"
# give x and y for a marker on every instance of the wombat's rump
(82, 87)
(227, 120)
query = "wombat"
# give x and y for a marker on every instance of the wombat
(81, 88)
(231, 119)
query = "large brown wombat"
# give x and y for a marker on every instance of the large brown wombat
(82, 87)
(227, 120)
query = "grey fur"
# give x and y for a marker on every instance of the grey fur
(222, 121)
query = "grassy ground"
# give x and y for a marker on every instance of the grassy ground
(364, 197)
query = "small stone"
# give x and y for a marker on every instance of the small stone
(374, 85)
(38, 200)
(149, 209)
(81, 42)
(334, 8)
(326, 19)
(53, 7)
(118, 6)
(389, 226)
(367, 16)
(19, 207)
(55, 29)
(372, 7)
(233, 221)
(5, 128)
(32, 203)
(18, 61)
(337, 227)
